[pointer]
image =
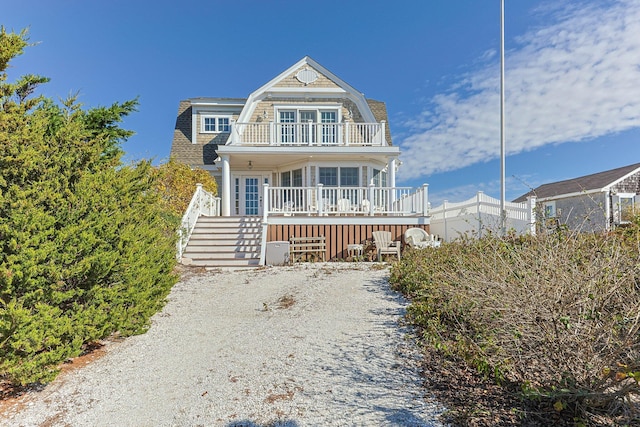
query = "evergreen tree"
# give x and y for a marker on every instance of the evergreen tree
(86, 249)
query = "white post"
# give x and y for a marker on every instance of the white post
(425, 199)
(478, 203)
(194, 126)
(320, 200)
(372, 189)
(226, 186)
(235, 135)
(346, 133)
(199, 204)
(531, 205)
(265, 205)
(272, 133)
(444, 217)
(383, 132)
(391, 167)
(503, 211)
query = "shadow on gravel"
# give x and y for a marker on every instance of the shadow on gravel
(283, 423)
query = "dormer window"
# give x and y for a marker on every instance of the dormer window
(216, 124)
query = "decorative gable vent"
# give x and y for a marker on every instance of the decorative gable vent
(307, 76)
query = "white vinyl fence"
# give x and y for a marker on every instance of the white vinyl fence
(480, 214)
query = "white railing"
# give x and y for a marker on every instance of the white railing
(323, 200)
(480, 214)
(311, 133)
(202, 203)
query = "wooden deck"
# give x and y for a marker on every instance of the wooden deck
(338, 236)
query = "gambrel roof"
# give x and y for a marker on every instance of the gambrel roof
(595, 182)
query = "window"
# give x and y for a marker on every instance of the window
(549, 209)
(329, 131)
(379, 178)
(624, 208)
(305, 125)
(285, 179)
(296, 176)
(348, 177)
(328, 176)
(216, 124)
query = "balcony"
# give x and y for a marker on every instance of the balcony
(356, 201)
(308, 134)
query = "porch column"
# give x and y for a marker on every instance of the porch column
(391, 168)
(226, 186)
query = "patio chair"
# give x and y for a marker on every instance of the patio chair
(344, 206)
(384, 244)
(418, 238)
(288, 208)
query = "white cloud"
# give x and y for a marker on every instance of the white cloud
(576, 79)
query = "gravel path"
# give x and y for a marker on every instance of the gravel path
(309, 345)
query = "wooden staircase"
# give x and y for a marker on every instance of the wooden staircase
(224, 242)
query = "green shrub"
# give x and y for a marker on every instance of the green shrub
(86, 249)
(557, 314)
(177, 183)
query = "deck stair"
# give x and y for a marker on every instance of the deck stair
(225, 242)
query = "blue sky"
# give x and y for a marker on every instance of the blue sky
(572, 74)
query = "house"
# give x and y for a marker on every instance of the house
(305, 154)
(595, 202)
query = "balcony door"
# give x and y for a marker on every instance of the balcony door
(299, 126)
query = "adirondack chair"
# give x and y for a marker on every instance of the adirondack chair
(418, 238)
(384, 244)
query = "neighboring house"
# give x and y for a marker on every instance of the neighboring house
(306, 148)
(594, 202)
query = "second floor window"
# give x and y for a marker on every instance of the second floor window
(216, 124)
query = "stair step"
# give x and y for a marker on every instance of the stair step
(208, 239)
(215, 263)
(226, 236)
(222, 249)
(225, 242)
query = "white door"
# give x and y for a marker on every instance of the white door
(250, 196)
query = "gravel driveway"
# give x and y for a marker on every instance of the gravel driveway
(308, 345)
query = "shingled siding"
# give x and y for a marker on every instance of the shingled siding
(629, 185)
(183, 151)
(337, 236)
(585, 213)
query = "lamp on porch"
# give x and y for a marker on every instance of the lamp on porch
(250, 166)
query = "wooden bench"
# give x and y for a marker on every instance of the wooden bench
(305, 248)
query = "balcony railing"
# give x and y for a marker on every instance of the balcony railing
(322, 200)
(309, 134)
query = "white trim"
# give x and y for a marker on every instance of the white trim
(369, 151)
(566, 195)
(217, 117)
(197, 102)
(635, 171)
(357, 219)
(314, 90)
(347, 90)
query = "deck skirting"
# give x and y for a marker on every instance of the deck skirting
(339, 236)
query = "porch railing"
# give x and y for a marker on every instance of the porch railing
(323, 200)
(202, 203)
(309, 134)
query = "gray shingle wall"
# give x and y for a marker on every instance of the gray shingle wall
(584, 213)
(182, 150)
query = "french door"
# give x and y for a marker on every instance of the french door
(251, 196)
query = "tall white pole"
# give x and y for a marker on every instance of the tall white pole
(503, 212)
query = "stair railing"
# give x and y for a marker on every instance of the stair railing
(202, 203)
